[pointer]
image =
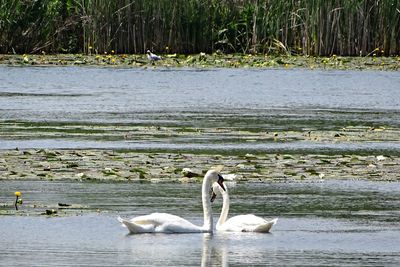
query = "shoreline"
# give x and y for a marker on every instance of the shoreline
(203, 60)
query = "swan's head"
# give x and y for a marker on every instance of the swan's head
(217, 181)
(217, 190)
(215, 177)
(222, 190)
(148, 52)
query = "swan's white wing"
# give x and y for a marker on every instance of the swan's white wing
(264, 228)
(182, 226)
(155, 218)
(167, 223)
(137, 228)
(247, 223)
(160, 223)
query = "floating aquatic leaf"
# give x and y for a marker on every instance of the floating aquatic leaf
(290, 173)
(354, 159)
(288, 157)
(250, 156)
(312, 171)
(325, 161)
(187, 172)
(72, 165)
(51, 212)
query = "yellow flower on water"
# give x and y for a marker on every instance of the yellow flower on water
(112, 51)
(17, 194)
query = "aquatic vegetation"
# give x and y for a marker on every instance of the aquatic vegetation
(169, 166)
(51, 212)
(18, 199)
(142, 173)
(203, 60)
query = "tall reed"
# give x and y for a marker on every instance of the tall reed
(311, 27)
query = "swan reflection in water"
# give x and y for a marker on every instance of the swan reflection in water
(178, 250)
(218, 249)
(213, 255)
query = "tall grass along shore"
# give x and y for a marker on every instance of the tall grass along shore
(305, 27)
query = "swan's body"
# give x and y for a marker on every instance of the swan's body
(246, 223)
(152, 57)
(160, 223)
(168, 223)
(240, 223)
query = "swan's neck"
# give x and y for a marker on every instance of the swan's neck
(225, 208)
(208, 221)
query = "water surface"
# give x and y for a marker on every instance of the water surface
(321, 223)
(79, 107)
(96, 92)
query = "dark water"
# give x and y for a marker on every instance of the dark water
(332, 223)
(232, 99)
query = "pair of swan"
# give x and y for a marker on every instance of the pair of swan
(168, 223)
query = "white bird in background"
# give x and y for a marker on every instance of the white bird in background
(239, 223)
(152, 57)
(168, 223)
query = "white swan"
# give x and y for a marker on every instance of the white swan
(168, 223)
(239, 223)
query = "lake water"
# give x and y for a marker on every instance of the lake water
(103, 94)
(333, 223)
(208, 99)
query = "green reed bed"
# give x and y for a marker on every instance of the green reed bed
(309, 27)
